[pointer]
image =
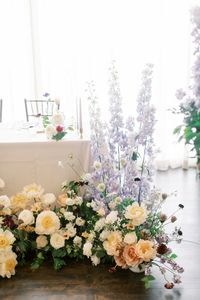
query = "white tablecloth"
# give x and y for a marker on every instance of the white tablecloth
(27, 157)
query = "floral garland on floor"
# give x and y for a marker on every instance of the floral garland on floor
(110, 215)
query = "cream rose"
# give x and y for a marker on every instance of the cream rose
(5, 201)
(136, 214)
(33, 191)
(41, 241)
(80, 221)
(69, 216)
(77, 241)
(27, 217)
(48, 199)
(19, 201)
(111, 217)
(130, 238)
(145, 250)
(47, 222)
(2, 184)
(95, 260)
(113, 243)
(57, 241)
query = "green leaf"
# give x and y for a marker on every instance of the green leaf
(173, 256)
(58, 263)
(40, 256)
(177, 130)
(58, 136)
(59, 252)
(147, 281)
(134, 156)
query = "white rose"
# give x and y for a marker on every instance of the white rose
(2, 184)
(104, 234)
(99, 224)
(91, 236)
(130, 238)
(57, 241)
(95, 260)
(112, 205)
(5, 201)
(27, 217)
(77, 241)
(48, 199)
(112, 217)
(57, 119)
(137, 214)
(71, 231)
(78, 200)
(69, 216)
(50, 131)
(41, 241)
(80, 221)
(87, 249)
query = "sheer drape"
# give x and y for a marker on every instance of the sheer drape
(56, 46)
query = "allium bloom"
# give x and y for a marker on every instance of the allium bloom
(130, 238)
(113, 242)
(47, 222)
(26, 216)
(145, 250)
(6, 240)
(8, 263)
(57, 241)
(4, 201)
(41, 241)
(33, 191)
(48, 199)
(87, 249)
(136, 214)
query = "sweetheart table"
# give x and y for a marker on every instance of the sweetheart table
(27, 157)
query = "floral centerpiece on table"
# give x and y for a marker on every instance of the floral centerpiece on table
(55, 127)
(190, 102)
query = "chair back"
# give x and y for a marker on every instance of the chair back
(1, 106)
(35, 108)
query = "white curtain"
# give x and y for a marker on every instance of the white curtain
(55, 46)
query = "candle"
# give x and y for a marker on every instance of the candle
(77, 117)
(80, 119)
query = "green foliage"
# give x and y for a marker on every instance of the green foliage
(147, 281)
(58, 136)
(58, 263)
(38, 261)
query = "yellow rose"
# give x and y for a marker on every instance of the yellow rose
(145, 250)
(136, 214)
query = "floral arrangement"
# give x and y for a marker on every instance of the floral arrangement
(190, 101)
(37, 226)
(55, 126)
(111, 215)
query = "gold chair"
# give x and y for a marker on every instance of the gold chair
(36, 108)
(1, 106)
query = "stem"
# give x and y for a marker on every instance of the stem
(142, 170)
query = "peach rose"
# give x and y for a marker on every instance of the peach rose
(120, 261)
(130, 256)
(62, 199)
(145, 250)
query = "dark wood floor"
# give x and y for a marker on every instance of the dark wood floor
(80, 281)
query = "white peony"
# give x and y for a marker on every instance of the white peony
(47, 222)
(57, 241)
(6, 240)
(5, 201)
(130, 238)
(80, 221)
(41, 241)
(2, 184)
(137, 214)
(33, 191)
(95, 260)
(111, 217)
(8, 262)
(87, 249)
(69, 216)
(77, 241)
(48, 199)
(27, 217)
(50, 131)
